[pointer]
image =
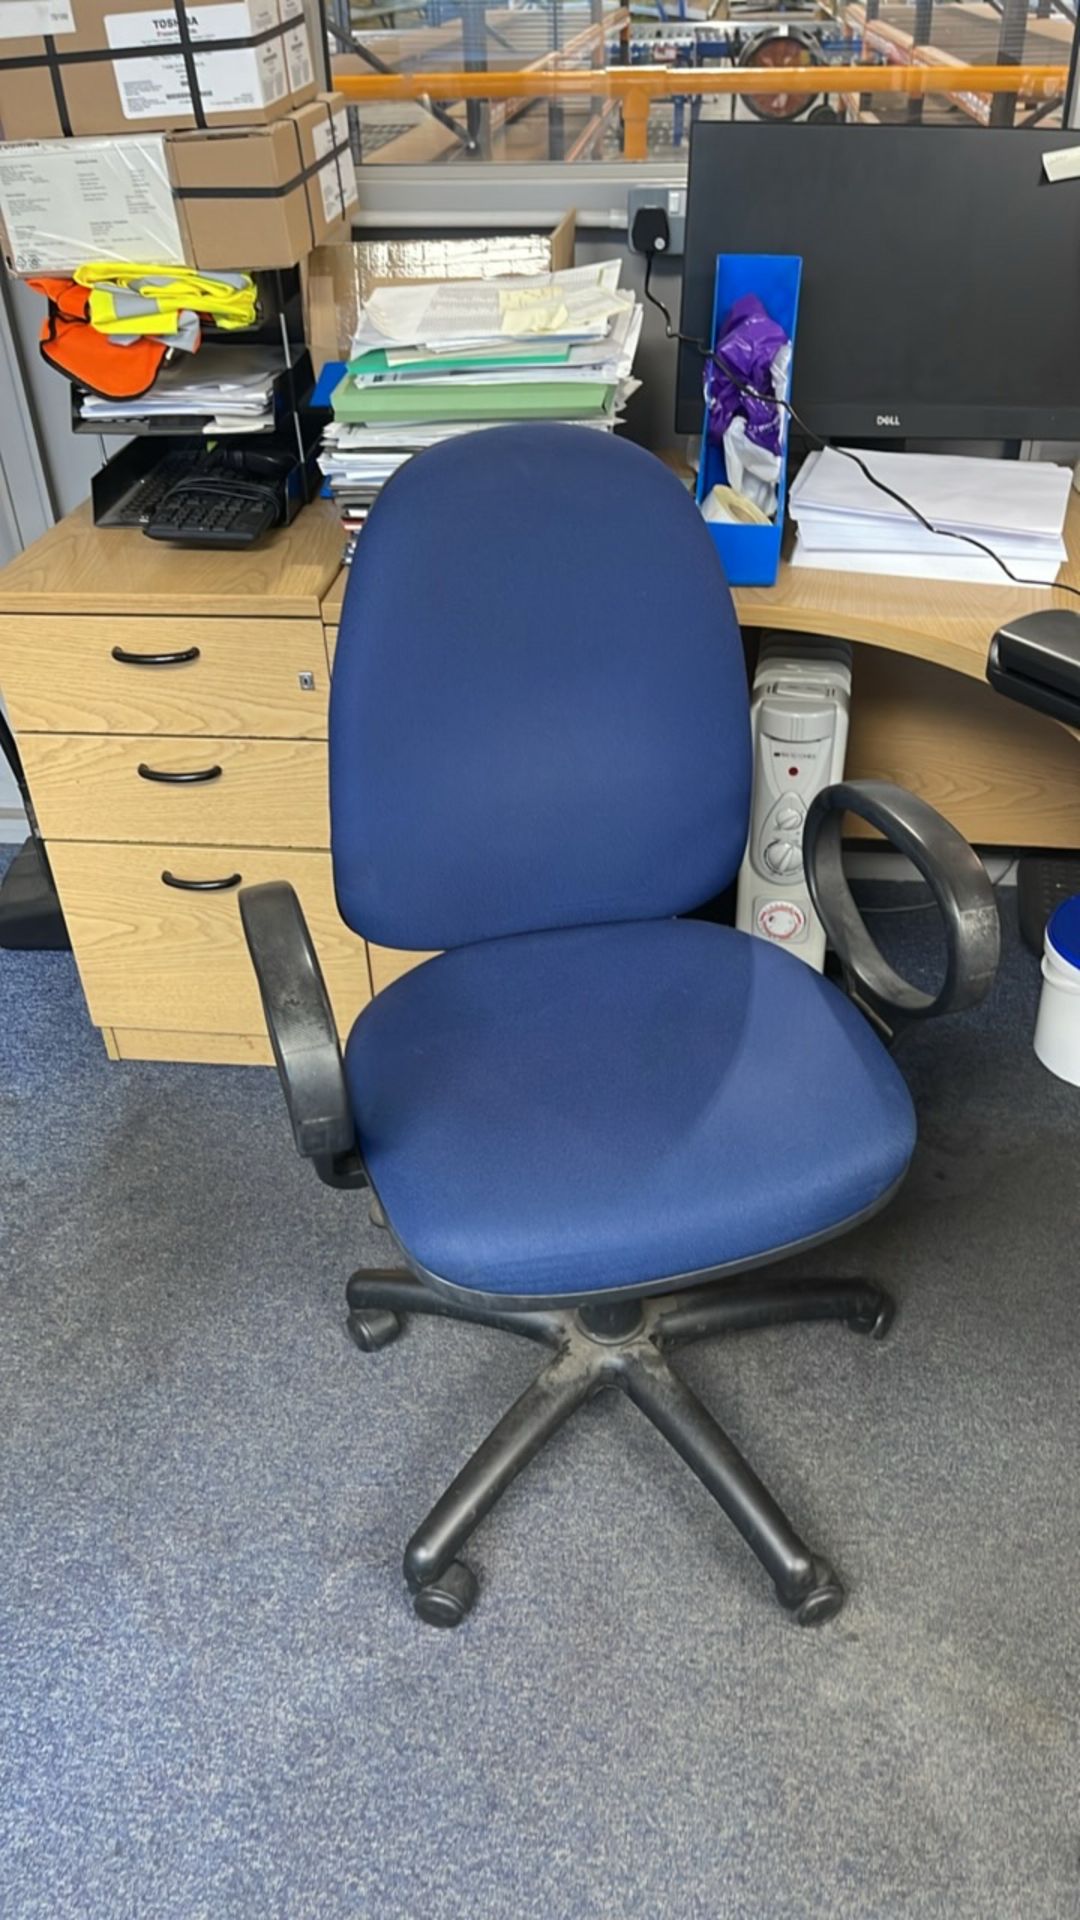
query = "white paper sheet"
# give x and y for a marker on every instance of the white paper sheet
(838, 533)
(579, 303)
(231, 381)
(611, 360)
(979, 570)
(950, 490)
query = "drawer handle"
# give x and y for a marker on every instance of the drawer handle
(203, 886)
(196, 779)
(127, 659)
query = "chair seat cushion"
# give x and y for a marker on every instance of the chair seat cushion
(567, 1112)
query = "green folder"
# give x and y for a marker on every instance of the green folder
(378, 361)
(450, 400)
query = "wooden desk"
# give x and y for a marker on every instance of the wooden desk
(922, 712)
(74, 568)
(933, 620)
(165, 971)
(939, 621)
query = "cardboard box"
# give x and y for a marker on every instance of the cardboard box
(338, 279)
(250, 61)
(275, 192)
(250, 198)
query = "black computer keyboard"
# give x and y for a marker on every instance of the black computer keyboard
(135, 507)
(224, 511)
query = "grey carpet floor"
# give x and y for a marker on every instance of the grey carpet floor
(214, 1699)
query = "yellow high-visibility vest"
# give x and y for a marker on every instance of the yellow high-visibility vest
(137, 298)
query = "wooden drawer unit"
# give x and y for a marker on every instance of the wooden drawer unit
(64, 673)
(199, 1049)
(164, 959)
(122, 660)
(224, 792)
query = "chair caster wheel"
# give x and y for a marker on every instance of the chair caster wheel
(820, 1602)
(373, 1327)
(446, 1601)
(877, 1320)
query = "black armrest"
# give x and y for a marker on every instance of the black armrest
(302, 1031)
(954, 874)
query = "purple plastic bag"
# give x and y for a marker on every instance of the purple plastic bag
(748, 342)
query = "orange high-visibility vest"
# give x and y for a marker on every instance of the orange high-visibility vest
(70, 344)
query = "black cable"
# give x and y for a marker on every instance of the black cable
(670, 328)
(772, 399)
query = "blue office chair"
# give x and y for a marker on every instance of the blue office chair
(589, 1119)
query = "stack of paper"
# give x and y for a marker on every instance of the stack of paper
(217, 390)
(1016, 508)
(437, 359)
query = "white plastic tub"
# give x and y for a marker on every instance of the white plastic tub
(1057, 1029)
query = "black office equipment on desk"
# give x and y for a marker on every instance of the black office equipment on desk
(917, 317)
(155, 481)
(230, 501)
(183, 480)
(1035, 660)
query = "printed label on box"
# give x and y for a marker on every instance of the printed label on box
(230, 82)
(338, 180)
(19, 17)
(298, 56)
(67, 201)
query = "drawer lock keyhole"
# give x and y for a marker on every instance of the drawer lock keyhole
(307, 682)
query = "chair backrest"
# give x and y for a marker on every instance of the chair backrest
(539, 712)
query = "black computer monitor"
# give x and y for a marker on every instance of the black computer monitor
(941, 274)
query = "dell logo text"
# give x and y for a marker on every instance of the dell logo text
(888, 419)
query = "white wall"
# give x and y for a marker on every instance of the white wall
(69, 459)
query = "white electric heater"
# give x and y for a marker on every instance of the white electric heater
(799, 721)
